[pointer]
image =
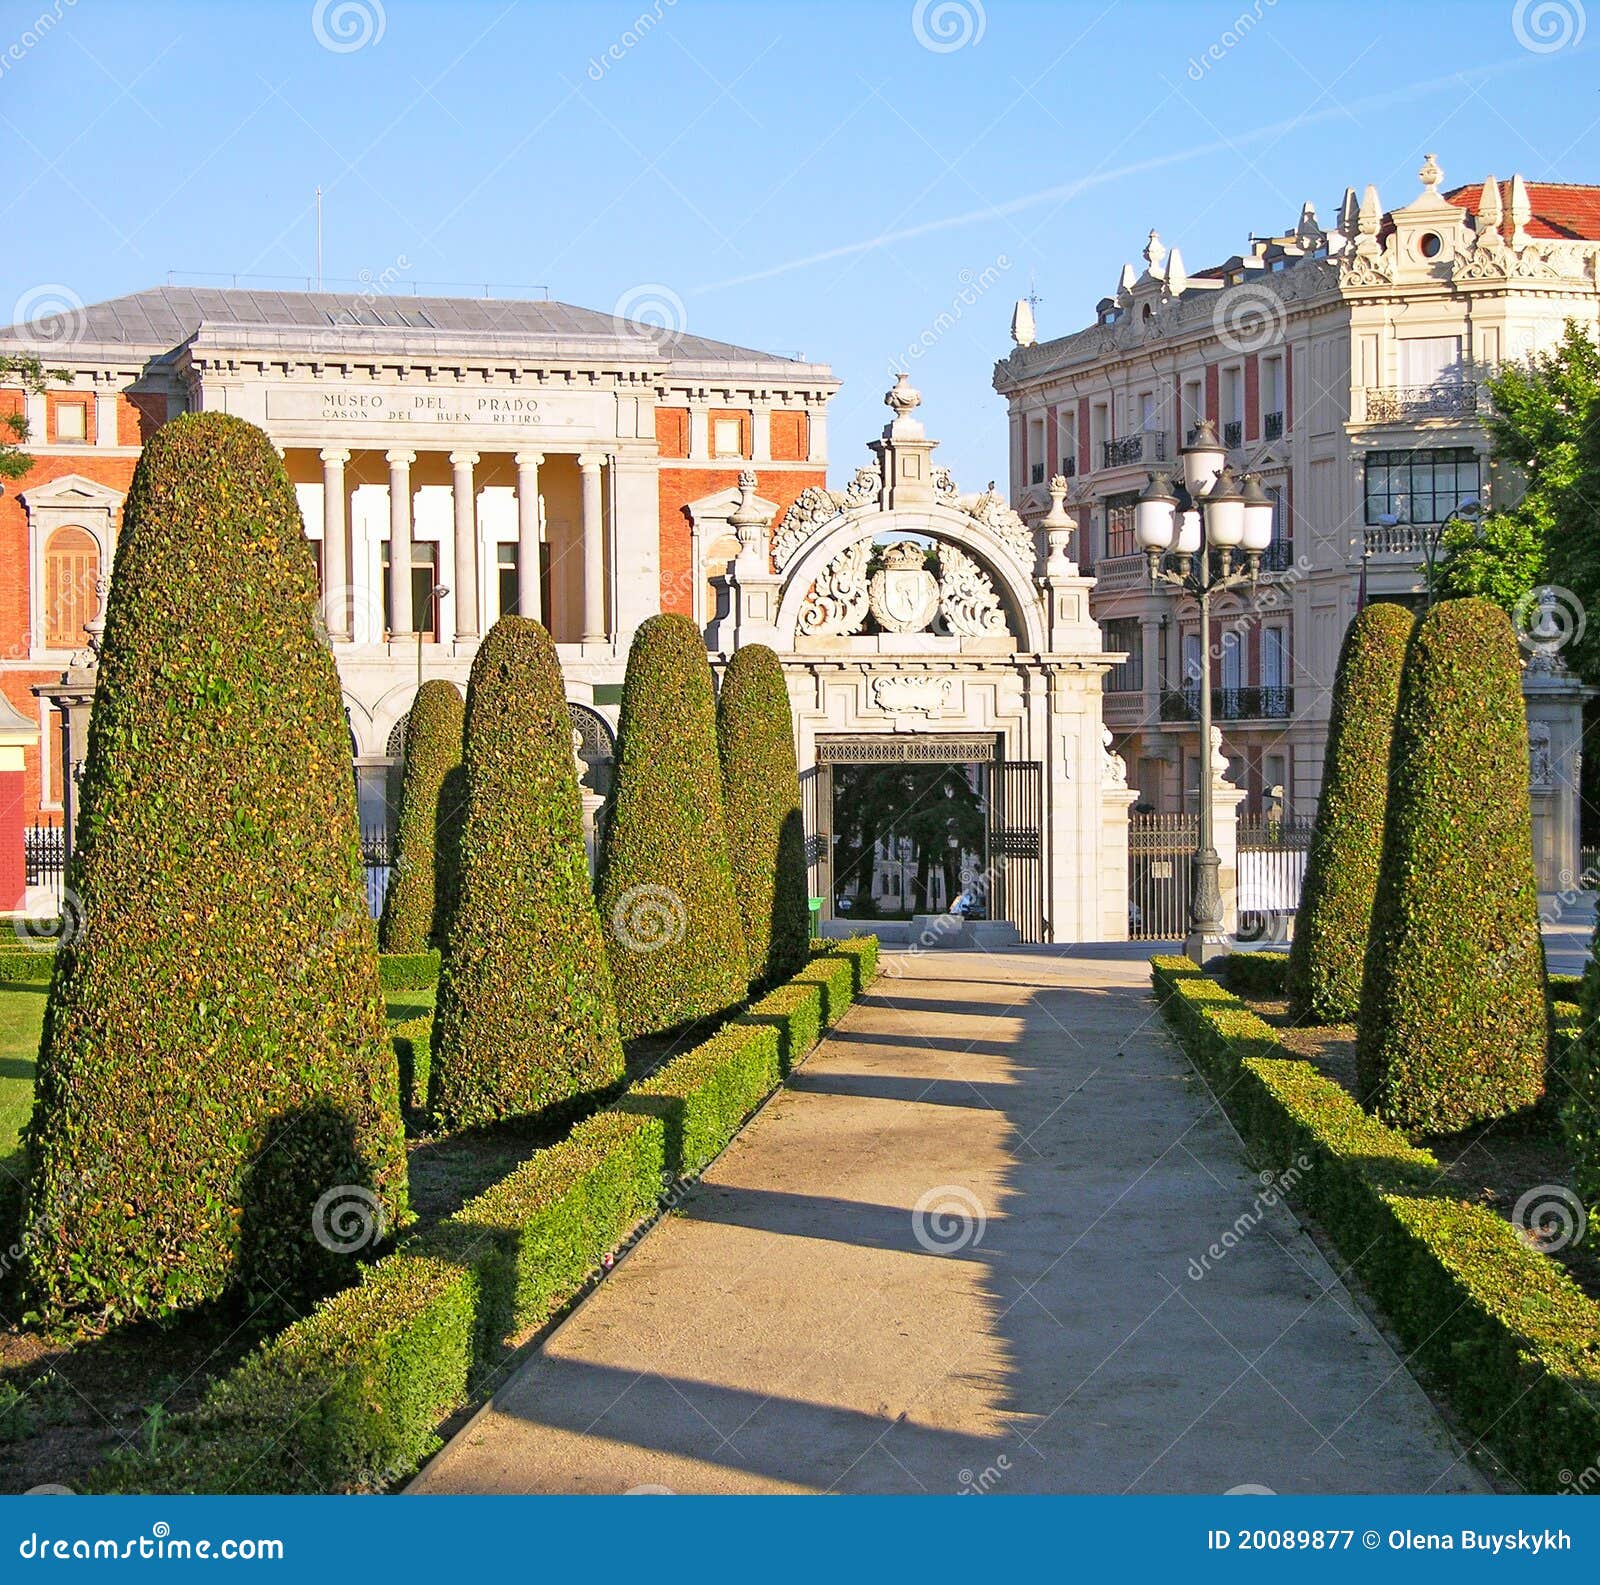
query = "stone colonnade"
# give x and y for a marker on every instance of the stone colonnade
(342, 572)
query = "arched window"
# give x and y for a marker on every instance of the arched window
(71, 593)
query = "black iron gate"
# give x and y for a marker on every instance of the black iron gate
(1016, 846)
(1160, 848)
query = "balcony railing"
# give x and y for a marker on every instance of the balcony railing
(1149, 445)
(1272, 426)
(1036, 473)
(1229, 704)
(1233, 433)
(1397, 539)
(1278, 556)
(1387, 404)
(1069, 467)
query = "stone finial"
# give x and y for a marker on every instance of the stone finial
(1177, 276)
(1521, 211)
(902, 397)
(1349, 215)
(1370, 213)
(1490, 215)
(1430, 174)
(1023, 332)
(1125, 281)
(1154, 253)
(1307, 232)
(1059, 526)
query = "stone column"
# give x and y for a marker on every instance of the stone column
(594, 557)
(817, 428)
(400, 617)
(761, 432)
(336, 580)
(466, 533)
(528, 591)
(699, 431)
(1225, 801)
(105, 417)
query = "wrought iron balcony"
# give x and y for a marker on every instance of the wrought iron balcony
(1229, 704)
(1233, 433)
(1272, 426)
(1069, 467)
(1388, 404)
(1278, 556)
(1149, 445)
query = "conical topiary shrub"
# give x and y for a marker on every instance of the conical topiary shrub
(216, 1101)
(1453, 1027)
(1330, 931)
(667, 902)
(761, 808)
(526, 1021)
(433, 749)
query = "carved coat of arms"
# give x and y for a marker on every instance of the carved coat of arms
(904, 595)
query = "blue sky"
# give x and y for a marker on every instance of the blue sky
(819, 178)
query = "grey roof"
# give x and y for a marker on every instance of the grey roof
(165, 317)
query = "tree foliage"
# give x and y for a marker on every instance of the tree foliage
(31, 375)
(761, 804)
(933, 808)
(667, 900)
(526, 1020)
(214, 1061)
(1331, 927)
(432, 750)
(1454, 1026)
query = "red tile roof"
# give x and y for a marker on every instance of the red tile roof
(1560, 209)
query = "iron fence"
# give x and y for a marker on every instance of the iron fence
(1160, 847)
(1272, 868)
(44, 855)
(375, 863)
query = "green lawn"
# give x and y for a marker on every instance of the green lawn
(410, 1004)
(21, 1013)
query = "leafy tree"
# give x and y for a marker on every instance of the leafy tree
(667, 900)
(214, 1063)
(761, 802)
(526, 1020)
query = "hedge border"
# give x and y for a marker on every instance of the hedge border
(408, 971)
(413, 1053)
(24, 966)
(1514, 1341)
(353, 1396)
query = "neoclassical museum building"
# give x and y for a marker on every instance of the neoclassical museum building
(456, 459)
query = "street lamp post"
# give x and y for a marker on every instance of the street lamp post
(1466, 511)
(1202, 523)
(435, 595)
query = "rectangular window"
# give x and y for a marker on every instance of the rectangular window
(506, 565)
(72, 422)
(1430, 360)
(1419, 486)
(424, 575)
(1124, 634)
(727, 438)
(1274, 658)
(1119, 523)
(1194, 404)
(1068, 449)
(1099, 433)
(1149, 414)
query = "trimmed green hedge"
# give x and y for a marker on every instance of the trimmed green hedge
(1575, 1064)
(1454, 1027)
(1259, 974)
(526, 1019)
(351, 1398)
(1327, 955)
(835, 975)
(408, 971)
(214, 1055)
(1564, 987)
(412, 1038)
(667, 900)
(411, 919)
(761, 804)
(1514, 1340)
(795, 1011)
(24, 966)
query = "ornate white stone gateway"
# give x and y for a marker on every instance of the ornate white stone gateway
(917, 623)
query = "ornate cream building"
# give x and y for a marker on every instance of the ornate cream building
(1344, 364)
(456, 459)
